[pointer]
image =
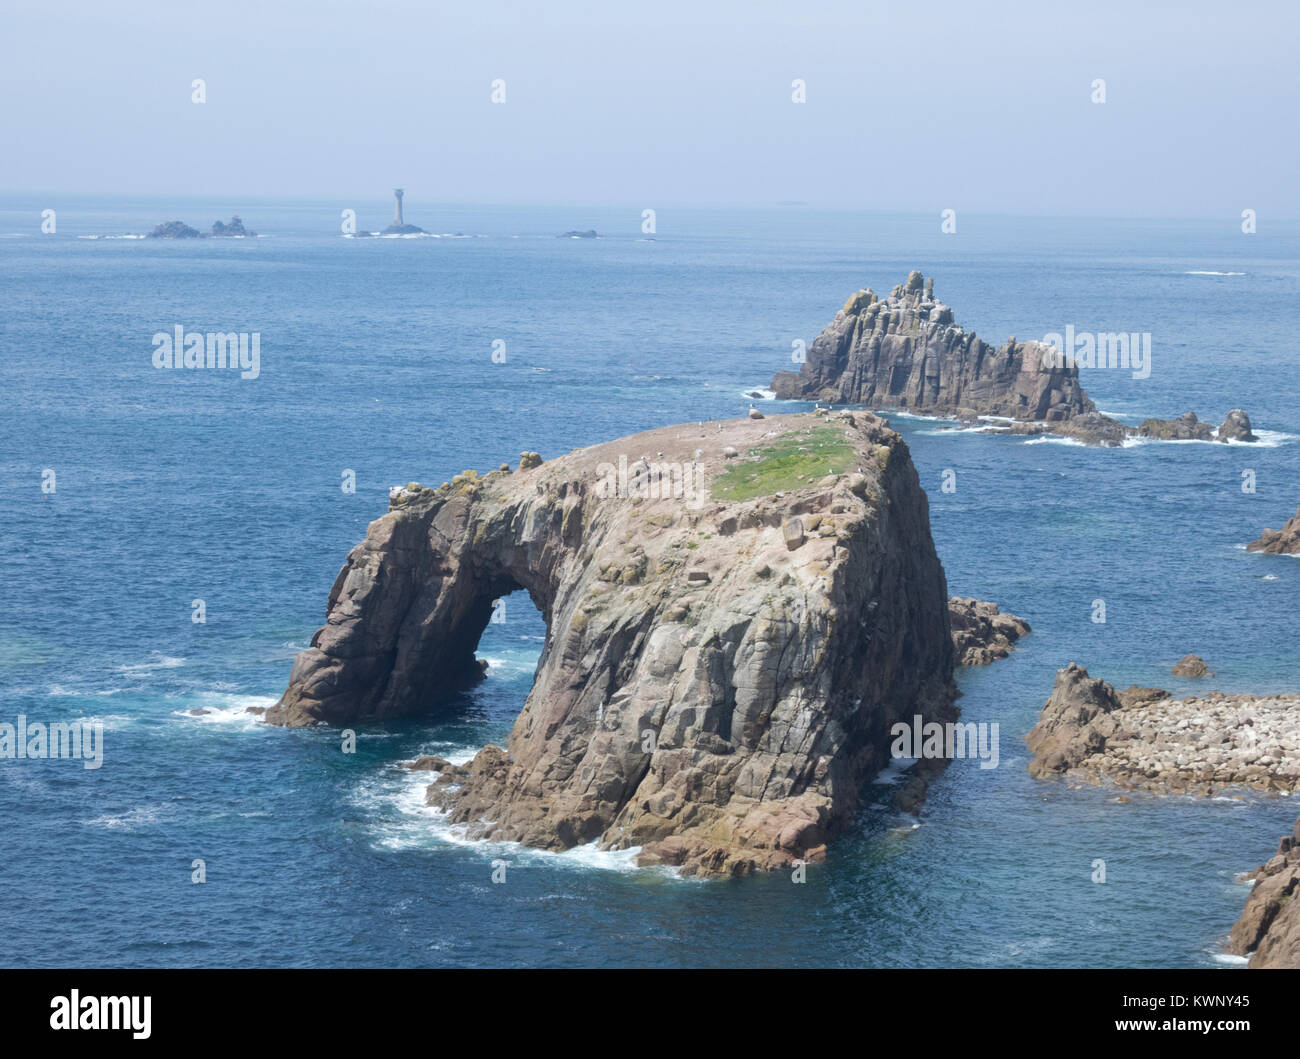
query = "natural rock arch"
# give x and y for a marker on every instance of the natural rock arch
(719, 677)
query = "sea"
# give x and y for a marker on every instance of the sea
(135, 500)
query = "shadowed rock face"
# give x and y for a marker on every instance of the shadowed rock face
(719, 677)
(1285, 541)
(1269, 928)
(905, 351)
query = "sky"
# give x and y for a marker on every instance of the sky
(910, 104)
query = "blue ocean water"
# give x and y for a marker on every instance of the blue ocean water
(376, 358)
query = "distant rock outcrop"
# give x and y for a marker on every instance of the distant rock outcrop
(1285, 541)
(720, 672)
(1144, 738)
(980, 632)
(174, 230)
(1269, 928)
(232, 230)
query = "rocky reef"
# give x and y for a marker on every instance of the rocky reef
(181, 230)
(1269, 928)
(1143, 738)
(907, 352)
(736, 614)
(233, 230)
(980, 632)
(1285, 541)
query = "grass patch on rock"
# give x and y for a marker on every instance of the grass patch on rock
(788, 463)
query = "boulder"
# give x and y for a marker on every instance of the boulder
(1236, 427)
(1191, 666)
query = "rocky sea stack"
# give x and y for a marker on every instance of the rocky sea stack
(736, 615)
(907, 352)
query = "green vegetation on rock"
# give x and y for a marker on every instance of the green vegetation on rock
(787, 463)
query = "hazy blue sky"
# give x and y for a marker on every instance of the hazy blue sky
(910, 105)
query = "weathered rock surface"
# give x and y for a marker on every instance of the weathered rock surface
(714, 688)
(1269, 928)
(905, 351)
(980, 632)
(1236, 427)
(1285, 541)
(1145, 739)
(1191, 666)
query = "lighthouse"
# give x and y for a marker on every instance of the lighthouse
(397, 212)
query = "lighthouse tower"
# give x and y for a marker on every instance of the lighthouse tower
(397, 213)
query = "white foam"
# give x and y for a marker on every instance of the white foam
(140, 816)
(423, 827)
(1201, 272)
(1052, 439)
(161, 662)
(1230, 960)
(763, 394)
(225, 708)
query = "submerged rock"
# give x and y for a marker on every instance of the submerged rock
(705, 692)
(1269, 928)
(1285, 541)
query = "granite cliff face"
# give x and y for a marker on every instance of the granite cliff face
(1285, 541)
(1269, 928)
(905, 351)
(725, 653)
